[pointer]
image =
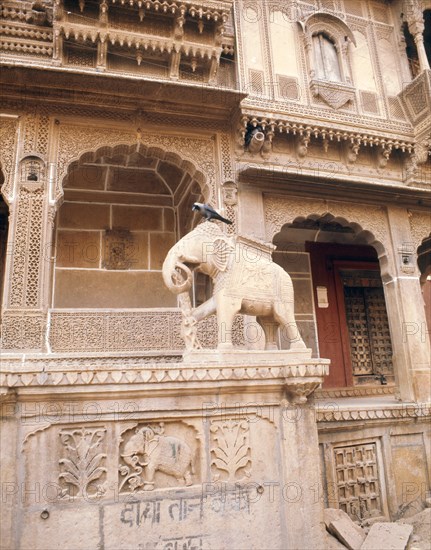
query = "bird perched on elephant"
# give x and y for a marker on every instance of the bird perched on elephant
(245, 281)
(208, 212)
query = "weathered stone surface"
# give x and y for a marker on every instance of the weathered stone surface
(347, 533)
(341, 526)
(387, 536)
(65, 528)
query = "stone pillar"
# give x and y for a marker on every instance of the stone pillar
(10, 489)
(302, 489)
(415, 20)
(410, 341)
(29, 242)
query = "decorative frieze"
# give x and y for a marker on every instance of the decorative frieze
(282, 125)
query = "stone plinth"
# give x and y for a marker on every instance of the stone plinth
(161, 453)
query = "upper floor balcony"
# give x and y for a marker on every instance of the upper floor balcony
(147, 42)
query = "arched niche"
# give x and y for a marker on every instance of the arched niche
(32, 169)
(327, 39)
(124, 206)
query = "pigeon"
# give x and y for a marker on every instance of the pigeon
(209, 213)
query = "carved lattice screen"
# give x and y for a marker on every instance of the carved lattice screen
(368, 326)
(357, 482)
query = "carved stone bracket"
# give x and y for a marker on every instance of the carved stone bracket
(334, 94)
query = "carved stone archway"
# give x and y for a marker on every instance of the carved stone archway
(370, 221)
(191, 153)
(372, 224)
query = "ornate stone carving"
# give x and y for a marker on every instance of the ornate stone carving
(280, 211)
(245, 281)
(323, 131)
(148, 451)
(129, 331)
(82, 462)
(420, 227)
(230, 451)
(334, 94)
(8, 129)
(230, 201)
(27, 258)
(22, 330)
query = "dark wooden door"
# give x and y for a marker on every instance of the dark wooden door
(327, 260)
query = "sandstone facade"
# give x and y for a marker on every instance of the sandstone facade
(308, 124)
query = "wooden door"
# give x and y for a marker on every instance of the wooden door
(332, 325)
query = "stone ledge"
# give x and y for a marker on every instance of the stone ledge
(298, 376)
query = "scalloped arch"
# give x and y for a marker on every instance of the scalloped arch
(320, 21)
(328, 217)
(146, 151)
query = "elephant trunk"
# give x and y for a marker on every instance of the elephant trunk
(176, 275)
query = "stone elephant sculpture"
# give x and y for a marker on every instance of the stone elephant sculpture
(155, 452)
(245, 279)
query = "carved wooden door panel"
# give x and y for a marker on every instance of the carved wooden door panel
(367, 325)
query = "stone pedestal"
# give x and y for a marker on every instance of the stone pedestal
(163, 455)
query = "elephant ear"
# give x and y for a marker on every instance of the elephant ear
(222, 250)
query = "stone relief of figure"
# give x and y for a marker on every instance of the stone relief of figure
(148, 451)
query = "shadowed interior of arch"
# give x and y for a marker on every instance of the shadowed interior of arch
(124, 207)
(4, 217)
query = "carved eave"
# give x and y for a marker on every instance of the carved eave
(327, 132)
(59, 87)
(16, 37)
(206, 9)
(81, 33)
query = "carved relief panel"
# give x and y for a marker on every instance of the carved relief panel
(230, 450)
(154, 456)
(82, 462)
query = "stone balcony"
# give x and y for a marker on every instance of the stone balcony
(151, 39)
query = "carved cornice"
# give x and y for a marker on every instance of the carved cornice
(148, 370)
(326, 131)
(358, 413)
(358, 391)
(206, 9)
(79, 33)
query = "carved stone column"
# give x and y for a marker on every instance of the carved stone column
(27, 270)
(411, 343)
(414, 16)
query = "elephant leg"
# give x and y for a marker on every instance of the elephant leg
(227, 308)
(270, 329)
(150, 470)
(283, 314)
